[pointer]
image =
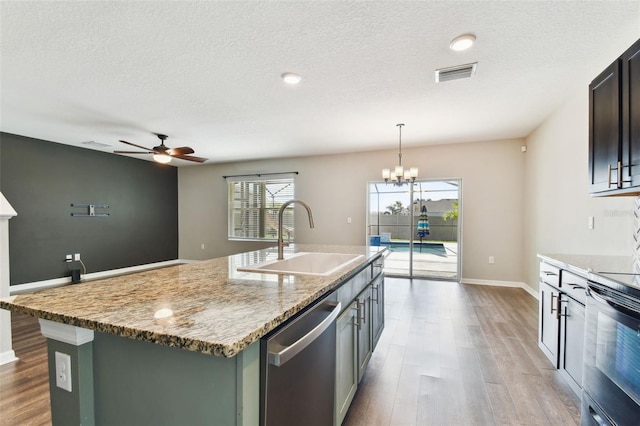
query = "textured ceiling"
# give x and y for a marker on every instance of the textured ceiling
(208, 73)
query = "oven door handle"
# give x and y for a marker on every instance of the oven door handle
(596, 295)
(595, 416)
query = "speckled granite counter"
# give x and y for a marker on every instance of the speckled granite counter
(208, 307)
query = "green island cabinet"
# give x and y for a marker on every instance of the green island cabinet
(122, 376)
(358, 330)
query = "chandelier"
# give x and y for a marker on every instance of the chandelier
(399, 176)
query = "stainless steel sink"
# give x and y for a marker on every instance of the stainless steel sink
(305, 263)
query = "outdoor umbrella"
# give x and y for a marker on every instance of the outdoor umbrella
(423, 225)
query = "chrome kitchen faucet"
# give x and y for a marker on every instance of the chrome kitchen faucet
(281, 243)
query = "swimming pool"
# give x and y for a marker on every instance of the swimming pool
(428, 248)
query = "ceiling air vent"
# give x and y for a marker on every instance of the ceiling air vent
(455, 73)
(95, 144)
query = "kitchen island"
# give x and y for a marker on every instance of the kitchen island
(177, 345)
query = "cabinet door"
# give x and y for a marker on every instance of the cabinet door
(377, 309)
(364, 330)
(631, 116)
(572, 341)
(548, 327)
(604, 130)
(346, 362)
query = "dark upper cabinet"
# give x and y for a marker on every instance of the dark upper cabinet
(614, 127)
(631, 114)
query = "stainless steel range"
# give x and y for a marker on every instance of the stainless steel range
(611, 379)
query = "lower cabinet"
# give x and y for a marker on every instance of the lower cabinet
(377, 308)
(359, 327)
(346, 361)
(365, 341)
(562, 321)
(571, 341)
(548, 327)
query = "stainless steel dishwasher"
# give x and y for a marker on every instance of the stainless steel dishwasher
(298, 368)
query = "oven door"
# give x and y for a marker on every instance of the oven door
(611, 377)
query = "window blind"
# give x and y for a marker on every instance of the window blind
(254, 202)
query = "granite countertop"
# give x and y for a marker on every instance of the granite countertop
(208, 306)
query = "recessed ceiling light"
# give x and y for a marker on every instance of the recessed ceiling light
(462, 42)
(291, 78)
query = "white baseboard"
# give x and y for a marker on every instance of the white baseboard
(517, 284)
(57, 282)
(7, 356)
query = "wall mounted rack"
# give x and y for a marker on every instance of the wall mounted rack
(90, 209)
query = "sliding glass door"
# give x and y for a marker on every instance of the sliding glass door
(419, 223)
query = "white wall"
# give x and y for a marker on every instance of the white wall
(557, 204)
(335, 186)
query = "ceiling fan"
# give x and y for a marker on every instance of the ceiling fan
(164, 154)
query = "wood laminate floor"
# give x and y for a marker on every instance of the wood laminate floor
(451, 354)
(24, 384)
(456, 354)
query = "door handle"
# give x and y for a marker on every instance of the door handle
(280, 358)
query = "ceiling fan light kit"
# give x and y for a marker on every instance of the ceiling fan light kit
(162, 153)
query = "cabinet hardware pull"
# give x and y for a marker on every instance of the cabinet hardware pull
(547, 273)
(376, 288)
(553, 296)
(619, 174)
(364, 313)
(609, 176)
(357, 321)
(576, 286)
(565, 311)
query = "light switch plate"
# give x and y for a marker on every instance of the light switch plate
(63, 371)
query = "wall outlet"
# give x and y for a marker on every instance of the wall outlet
(63, 371)
(590, 222)
(202, 246)
(68, 258)
(349, 219)
(76, 256)
(492, 260)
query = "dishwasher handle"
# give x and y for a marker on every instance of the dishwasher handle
(279, 358)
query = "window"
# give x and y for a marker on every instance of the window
(254, 202)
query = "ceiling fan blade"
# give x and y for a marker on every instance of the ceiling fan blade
(183, 150)
(137, 146)
(191, 158)
(133, 152)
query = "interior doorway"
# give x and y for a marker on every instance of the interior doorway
(420, 224)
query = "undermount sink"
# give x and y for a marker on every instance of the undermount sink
(305, 263)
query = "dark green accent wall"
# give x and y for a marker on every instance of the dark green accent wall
(42, 179)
